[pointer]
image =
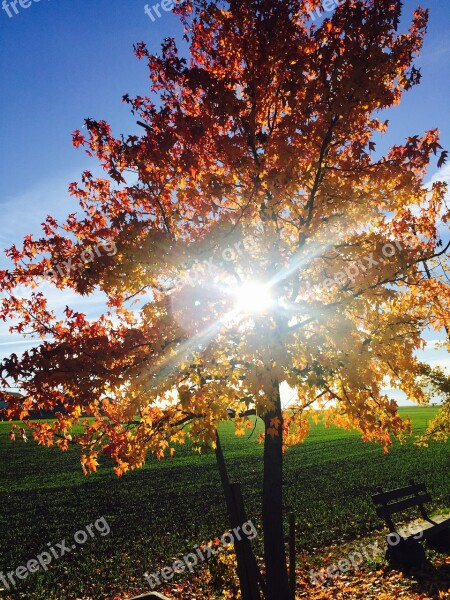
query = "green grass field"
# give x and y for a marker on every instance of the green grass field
(166, 509)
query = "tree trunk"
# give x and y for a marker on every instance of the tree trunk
(274, 550)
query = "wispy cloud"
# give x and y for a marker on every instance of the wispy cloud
(442, 175)
(24, 213)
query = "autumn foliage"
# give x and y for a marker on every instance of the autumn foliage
(265, 136)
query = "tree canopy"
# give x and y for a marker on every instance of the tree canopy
(255, 163)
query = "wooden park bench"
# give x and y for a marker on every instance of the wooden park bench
(404, 546)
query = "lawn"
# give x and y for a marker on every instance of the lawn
(166, 509)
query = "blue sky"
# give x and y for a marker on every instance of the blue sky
(64, 60)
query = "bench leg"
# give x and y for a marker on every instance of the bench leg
(440, 542)
(405, 554)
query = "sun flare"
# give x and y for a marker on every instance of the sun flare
(253, 298)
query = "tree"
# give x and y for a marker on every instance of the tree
(438, 383)
(260, 239)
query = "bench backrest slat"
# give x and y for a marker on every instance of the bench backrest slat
(385, 497)
(395, 507)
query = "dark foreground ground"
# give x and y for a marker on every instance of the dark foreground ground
(165, 510)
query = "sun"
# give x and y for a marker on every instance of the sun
(252, 298)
